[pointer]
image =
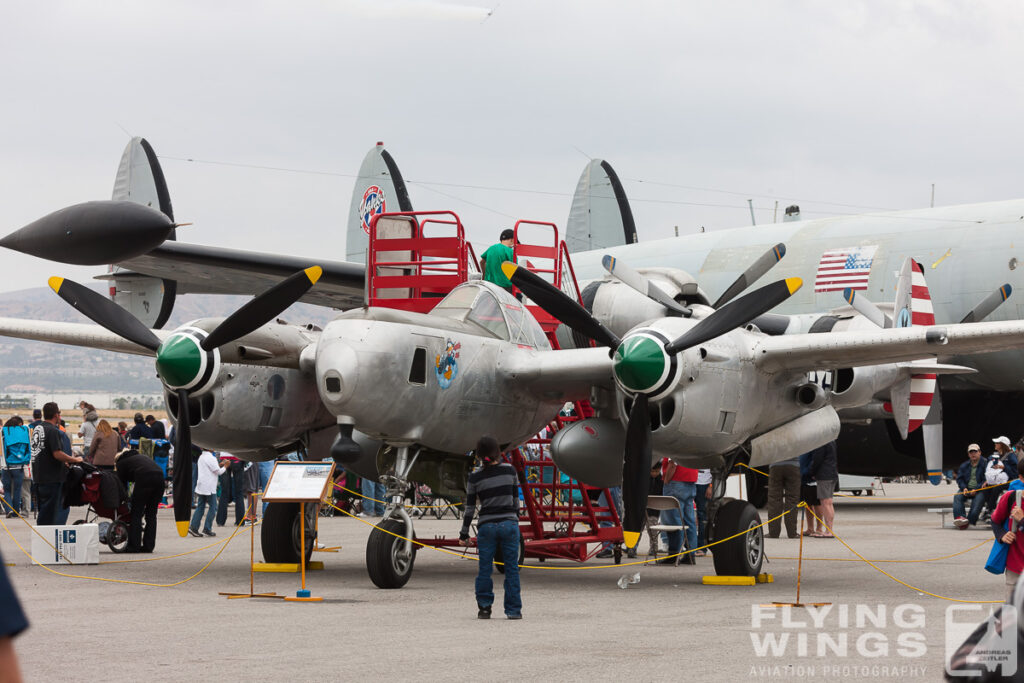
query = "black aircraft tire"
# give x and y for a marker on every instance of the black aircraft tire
(757, 488)
(385, 568)
(743, 555)
(280, 534)
(500, 557)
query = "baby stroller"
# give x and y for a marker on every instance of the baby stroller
(106, 497)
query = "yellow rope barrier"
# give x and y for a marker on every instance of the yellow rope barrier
(385, 502)
(124, 581)
(548, 567)
(882, 571)
(886, 499)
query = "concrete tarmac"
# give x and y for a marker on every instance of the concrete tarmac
(578, 624)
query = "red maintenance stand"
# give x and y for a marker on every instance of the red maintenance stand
(413, 261)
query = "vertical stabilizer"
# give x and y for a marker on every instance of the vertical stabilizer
(378, 189)
(140, 179)
(600, 216)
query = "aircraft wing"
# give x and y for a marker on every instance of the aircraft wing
(214, 270)
(565, 375)
(75, 334)
(848, 349)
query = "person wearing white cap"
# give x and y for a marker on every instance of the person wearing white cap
(1002, 459)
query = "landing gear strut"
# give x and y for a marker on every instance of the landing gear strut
(743, 555)
(390, 552)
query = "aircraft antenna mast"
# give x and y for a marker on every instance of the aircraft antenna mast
(750, 203)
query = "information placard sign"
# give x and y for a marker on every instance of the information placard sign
(293, 482)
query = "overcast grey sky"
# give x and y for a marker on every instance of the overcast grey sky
(838, 106)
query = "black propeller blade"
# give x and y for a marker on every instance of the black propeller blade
(636, 471)
(736, 313)
(263, 308)
(748, 277)
(255, 313)
(555, 302)
(104, 312)
(182, 466)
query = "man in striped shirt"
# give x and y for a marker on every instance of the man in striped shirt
(496, 489)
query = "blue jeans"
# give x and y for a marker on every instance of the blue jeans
(616, 492)
(977, 501)
(266, 468)
(702, 514)
(50, 509)
(488, 538)
(371, 489)
(12, 478)
(684, 492)
(231, 492)
(202, 500)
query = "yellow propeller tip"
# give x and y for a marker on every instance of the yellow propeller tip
(182, 528)
(793, 284)
(630, 538)
(314, 273)
(55, 283)
(509, 269)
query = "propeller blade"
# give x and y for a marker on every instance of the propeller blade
(263, 308)
(748, 277)
(104, 312)
(737, 313)
(988, 304)
(556, 303)
(182, 466)
(867, 308)
(635, 280)
(636, 471)
(931, 430)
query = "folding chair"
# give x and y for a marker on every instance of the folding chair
(666, 503)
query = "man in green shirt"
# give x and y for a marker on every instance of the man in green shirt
(496, 254)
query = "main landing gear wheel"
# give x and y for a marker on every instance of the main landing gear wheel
(280, 536)
(743, 555)
(387, 562)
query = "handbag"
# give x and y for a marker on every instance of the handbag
(996, 562)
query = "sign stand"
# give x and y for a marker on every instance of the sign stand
(300, 482)
(252, 565)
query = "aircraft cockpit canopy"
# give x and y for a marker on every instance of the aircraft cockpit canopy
(495, 311)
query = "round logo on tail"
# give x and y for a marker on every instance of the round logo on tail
(373, 204)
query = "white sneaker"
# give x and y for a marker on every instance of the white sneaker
(362, 514)
(961, 523)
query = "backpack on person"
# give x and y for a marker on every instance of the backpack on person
(17, 450)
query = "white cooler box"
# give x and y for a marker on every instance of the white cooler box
(79, 544)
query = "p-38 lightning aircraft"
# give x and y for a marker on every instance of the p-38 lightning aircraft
(695, 386)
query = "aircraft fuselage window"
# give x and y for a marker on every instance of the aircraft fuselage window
(418, 370)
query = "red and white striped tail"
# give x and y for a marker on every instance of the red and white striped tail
(922, 387)
(921, 312)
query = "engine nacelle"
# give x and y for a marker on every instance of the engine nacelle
(857, 386)
(591, 451)
(621, 308)
(254, 411)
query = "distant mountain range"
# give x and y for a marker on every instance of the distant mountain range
(32, 366)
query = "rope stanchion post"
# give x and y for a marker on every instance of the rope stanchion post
(799, 569)
(252, 563)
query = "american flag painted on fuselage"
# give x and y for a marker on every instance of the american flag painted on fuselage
(842, 268)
